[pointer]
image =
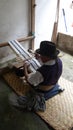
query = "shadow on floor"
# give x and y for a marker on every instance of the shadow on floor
(13, 119)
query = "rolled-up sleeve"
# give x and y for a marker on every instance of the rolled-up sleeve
(35, 78)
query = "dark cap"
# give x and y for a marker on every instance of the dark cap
(48, 48)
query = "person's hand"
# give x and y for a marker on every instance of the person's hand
(26, 64)
(37, 56)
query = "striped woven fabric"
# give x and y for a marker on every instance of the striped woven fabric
(24, 54)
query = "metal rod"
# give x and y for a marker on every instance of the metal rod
(64, 19)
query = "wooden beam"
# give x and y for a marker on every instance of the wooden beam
(33, 5)
(54, 33)
(20, 40)
(32, 28)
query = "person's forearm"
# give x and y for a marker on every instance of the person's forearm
(26, 73)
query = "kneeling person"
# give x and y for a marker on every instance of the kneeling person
(45, 79)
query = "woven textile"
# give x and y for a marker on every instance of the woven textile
(59, 109)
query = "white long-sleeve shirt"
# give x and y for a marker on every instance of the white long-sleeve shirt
(36, 77)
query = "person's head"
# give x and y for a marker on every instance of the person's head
(47, 51)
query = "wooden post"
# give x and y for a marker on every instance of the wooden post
(54, 34)
(33, 21)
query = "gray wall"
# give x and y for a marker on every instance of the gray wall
(14, 22)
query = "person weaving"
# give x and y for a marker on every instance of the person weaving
(45, 79)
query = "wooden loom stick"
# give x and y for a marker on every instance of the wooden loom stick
(20, 40)
(24, 54)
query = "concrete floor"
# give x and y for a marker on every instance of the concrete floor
(11, 118)
(67, 61)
